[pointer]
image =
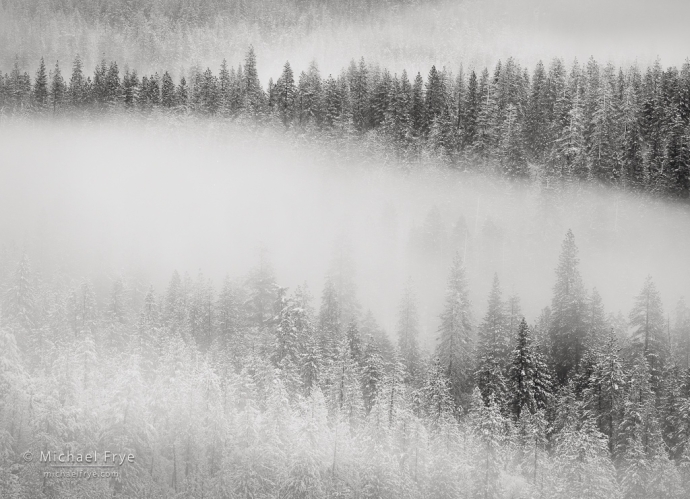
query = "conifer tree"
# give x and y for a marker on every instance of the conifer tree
(333, 102)
(471, 112)
(408, 335)
(438, 399)
(329, 319)
(113, 85)
(182, 94)
(538, 114)
(41, 86)
(224, 89)
(605, 396)
(648, 336)
(262, 293)
(286, 95)
(511, 151)
(529, 380)
(434, 97)
(454, 349)
(168, 99)
(58, 89)
(487, 117)
(417, 109)
(251, 86)
(567, 330)
(489, 426)
(680, 343)
(359, 90)
(494, 335)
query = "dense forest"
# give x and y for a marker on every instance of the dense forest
(249, 390)
(615, 126)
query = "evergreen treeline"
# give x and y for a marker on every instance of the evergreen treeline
(248, 391)
(617, 126)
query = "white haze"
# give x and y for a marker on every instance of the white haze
(475, 33)
(97, 200)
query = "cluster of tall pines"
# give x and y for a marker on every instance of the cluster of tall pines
(249, 390)
(616, 126)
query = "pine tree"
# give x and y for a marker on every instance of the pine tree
(454, 350)
(113, 86)
(511, 151)
(494, 334)
(489, 427)
(648, 330)
(286, 351)
(58, 89)
(677, 158)
(19, 304)
(251, 86)
(224, 89)
(596, 321)
(372, 370)
(603, 131)
(262, 293)
(471, 113)
(568, 327)
(417, 110)
(529, 379)
(487, 117)
(182, 94)
(606, 394)
(130, 89)
(329, 319)
(631, 141)
(333, 102)
(41, 86)
(408, 335)
(680, 343)
(168, 99)
(286, 95)
(438, 399)
(228, 320)
(434, 97)
(359, 90)
(538, 114)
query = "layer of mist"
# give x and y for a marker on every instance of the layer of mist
(103, 199)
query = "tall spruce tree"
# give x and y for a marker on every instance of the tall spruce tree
(529, 379)
(41, 86)
(648, 326)
(455, 346)
(408, 335)
(568, 328)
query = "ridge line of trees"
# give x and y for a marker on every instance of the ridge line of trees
(594, 123)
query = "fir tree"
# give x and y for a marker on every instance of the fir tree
(456, 337)
(408, 335)
(168, 99)
(286, 95)
(41, 86)
(568, 328)
(648, 336)
(58, 89)
(529, 380)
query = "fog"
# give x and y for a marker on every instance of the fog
(100, 200)
(475, 33)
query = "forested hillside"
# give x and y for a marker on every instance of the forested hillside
(246, 389)
(624, 127)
